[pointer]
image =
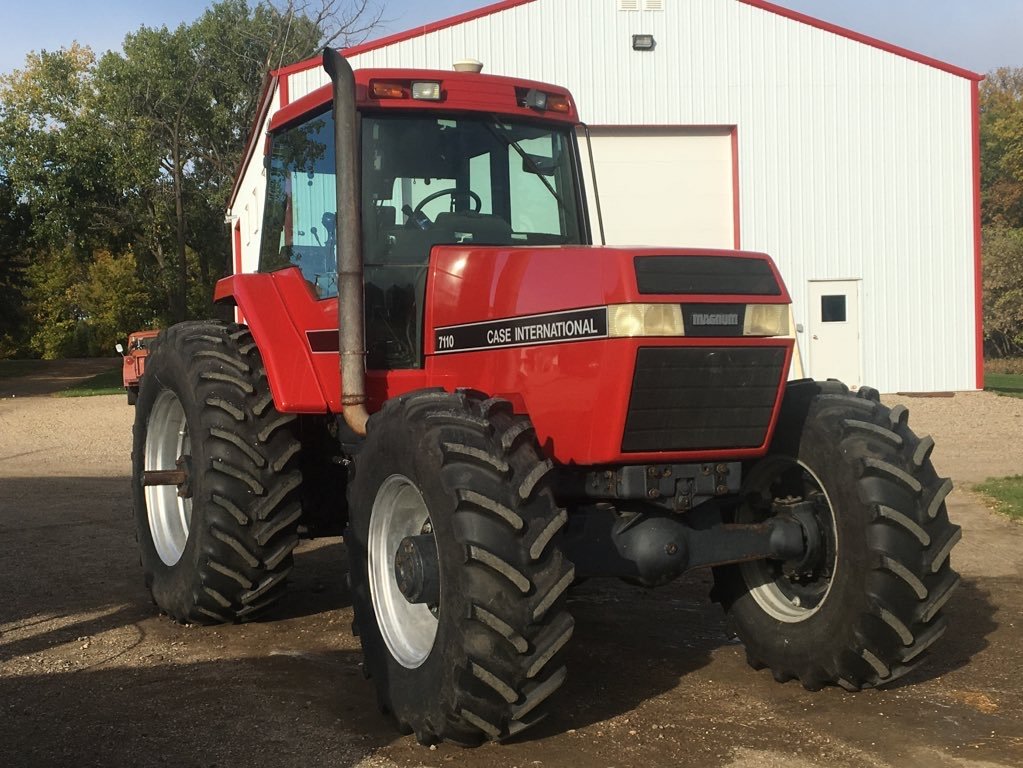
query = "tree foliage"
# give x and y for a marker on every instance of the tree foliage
(15, 225)
(1002, 147)
(1003, 290)
(115, 174)
(1001, 105)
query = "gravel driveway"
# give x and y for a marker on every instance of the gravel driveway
(91, 675)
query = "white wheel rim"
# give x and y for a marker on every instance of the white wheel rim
(166, 441)
(768, 590)
(409, 630)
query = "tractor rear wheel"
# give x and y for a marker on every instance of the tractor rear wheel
(457, 587)
(863, 606)
(215, 477)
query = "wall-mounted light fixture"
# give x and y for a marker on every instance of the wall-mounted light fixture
(643, 43)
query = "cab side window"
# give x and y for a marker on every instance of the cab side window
(299, 224)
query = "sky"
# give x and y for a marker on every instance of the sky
(979, 35)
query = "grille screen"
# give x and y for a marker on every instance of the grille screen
(705, 275)
(702, 398)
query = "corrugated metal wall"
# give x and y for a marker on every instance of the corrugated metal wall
(854, 162)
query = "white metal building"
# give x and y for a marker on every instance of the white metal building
(854, 163)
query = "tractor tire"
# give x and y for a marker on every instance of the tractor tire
(482, 661)
(222, 551)
(862, 613)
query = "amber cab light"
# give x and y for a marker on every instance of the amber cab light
(380, 90)
(558, 103)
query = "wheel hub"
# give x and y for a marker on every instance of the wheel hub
(806, 515)
(793, 589)
(416, 570)
(399, 515)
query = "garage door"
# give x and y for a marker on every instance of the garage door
(664, 186)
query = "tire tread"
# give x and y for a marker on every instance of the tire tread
(248, 513)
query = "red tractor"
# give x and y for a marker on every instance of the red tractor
(439, 364)
(134, 361)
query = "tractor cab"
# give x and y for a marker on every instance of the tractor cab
(440, 165)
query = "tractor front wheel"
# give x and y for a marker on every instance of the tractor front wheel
(864, 603)
(215, 479)
(457, 586)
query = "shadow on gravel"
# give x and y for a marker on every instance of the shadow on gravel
(74, 541)
(274, 711)
(630, 645)
(318, 582)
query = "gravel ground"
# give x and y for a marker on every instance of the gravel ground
(91, 675)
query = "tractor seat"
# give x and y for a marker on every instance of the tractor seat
(474, 228)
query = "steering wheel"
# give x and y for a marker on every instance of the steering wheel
(476, 202)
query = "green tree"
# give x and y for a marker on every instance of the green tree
(115, 301)
(125, 165)
(55, 150)
(15, 224)
(1003, 290)
(1001, 103)
(54, 299)
(188, 97)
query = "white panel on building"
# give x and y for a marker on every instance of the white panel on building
(660, 185)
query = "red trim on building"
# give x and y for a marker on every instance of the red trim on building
(762, 5)
(408, 34)
(978, 249)
(735, 187)
(298, 66)
(282, 86)
(435, 26)
(861, 38)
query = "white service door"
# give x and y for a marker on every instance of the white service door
(834, 332)
(663, 186)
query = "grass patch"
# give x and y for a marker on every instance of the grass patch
(1007, 494)
(1010, 384)
(12, 369)
(106, 383)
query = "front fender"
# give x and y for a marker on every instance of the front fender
(292, 375)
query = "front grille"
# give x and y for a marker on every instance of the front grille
(705, 275)
(702, 398)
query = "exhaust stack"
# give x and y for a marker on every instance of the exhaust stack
(350, 289)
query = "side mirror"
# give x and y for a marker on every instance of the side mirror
(538, 165)
(120, 348)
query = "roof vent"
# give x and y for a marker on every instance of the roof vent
(653, 5)
(468, 65)
(628, 5)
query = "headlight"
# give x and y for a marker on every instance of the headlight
(766, 320)
(628, 320)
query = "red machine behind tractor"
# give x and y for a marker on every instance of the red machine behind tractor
(133, 363)
(438, 364)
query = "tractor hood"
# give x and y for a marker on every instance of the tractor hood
(481, 297)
